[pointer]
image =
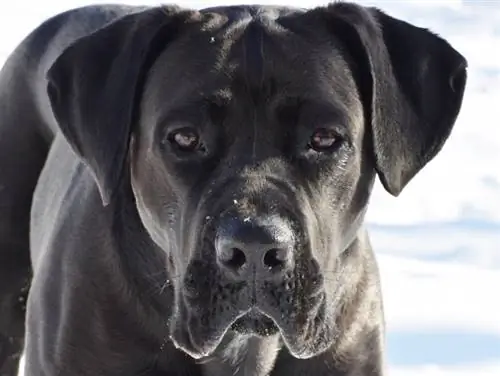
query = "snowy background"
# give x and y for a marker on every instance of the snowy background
(438, 244)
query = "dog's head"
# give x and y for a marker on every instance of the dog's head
(253, 136)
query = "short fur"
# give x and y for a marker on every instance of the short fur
(124, 230)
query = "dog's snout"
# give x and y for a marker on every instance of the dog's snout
(246, 246)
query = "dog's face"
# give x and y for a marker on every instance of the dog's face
(256, 138)
(249, 168)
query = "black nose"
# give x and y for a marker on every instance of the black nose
(247, 246)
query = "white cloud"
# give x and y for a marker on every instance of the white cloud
(431, 296)
(457, 243)
(481, 369)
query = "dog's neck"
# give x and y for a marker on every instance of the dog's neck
(241, 355)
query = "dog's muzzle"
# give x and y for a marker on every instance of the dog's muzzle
(256, 279)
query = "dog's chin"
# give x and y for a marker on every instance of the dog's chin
(255, 323)
(200, 338)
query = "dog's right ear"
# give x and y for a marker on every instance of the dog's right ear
(412, 83)
(94, 87)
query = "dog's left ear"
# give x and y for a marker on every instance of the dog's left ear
(95, 83)
(412, 82)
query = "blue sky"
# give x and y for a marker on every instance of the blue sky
(438, 244)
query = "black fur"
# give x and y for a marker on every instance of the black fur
(125, 230)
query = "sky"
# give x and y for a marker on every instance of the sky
(438, 243)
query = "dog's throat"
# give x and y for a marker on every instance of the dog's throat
(244, 355)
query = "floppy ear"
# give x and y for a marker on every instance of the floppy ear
(94, 86)
(412, 82)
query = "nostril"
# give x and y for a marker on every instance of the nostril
(233, 258)
(275, 257)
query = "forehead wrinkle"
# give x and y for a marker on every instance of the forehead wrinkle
(253, 69)
(228, 37)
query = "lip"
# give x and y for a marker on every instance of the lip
(255, 322)
(302, 342)
(311, 343)
(262, 310)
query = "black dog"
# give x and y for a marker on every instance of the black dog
(191, 185)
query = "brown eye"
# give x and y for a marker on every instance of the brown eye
(185, 139)
(323, 139)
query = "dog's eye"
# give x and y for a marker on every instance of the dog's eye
(185, 139)
(324, 140)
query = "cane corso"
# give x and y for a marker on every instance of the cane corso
(183, 191)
